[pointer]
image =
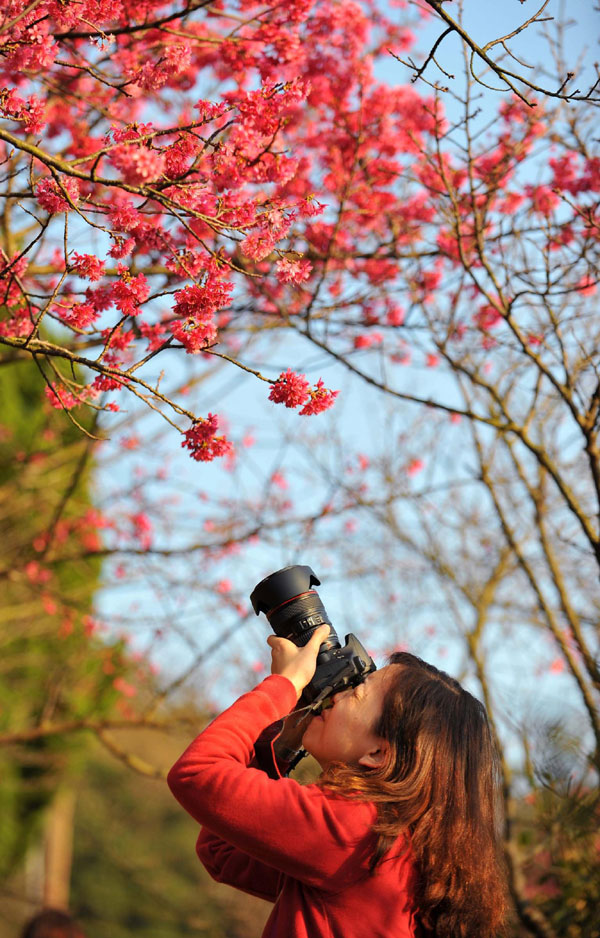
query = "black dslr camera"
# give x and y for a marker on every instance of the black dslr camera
(294, 611)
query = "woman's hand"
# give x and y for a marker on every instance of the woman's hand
(297, 664)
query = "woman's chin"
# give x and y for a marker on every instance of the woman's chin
(314, 752)
(309, 735)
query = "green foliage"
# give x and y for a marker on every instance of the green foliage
(564, 860)
(135, 869)
(557, 832)
(53, 670)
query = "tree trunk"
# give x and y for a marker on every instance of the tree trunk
(59, 850)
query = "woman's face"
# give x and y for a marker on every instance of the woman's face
(345, 731)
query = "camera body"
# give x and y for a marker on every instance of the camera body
(294, 610)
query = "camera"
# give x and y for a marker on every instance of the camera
(294, 610)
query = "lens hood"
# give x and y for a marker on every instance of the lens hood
(281, 587)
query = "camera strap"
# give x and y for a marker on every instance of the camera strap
(272, 754)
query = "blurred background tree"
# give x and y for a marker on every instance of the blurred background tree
(56, 672)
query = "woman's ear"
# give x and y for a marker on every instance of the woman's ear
(375, 757)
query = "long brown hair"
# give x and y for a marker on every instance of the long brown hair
(440, 784)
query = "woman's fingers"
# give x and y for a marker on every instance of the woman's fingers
(319, 636)
(282, 652)
(296, 663)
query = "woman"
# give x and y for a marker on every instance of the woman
(400, 835)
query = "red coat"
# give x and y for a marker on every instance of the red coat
(302, 848)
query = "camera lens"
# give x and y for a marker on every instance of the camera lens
(297, 618)
(294, 610)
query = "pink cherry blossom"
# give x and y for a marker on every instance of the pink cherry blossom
(60, 397)
(293, 271)
(414, 467)
(320, 399)
(88, 266)
(290, 389)
(203, 443)
(51, 196)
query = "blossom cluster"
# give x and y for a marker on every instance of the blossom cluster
(88, 266)
(289, 271)
(30, 112)
(60, 397)
(138, 163)
(196, 305)
(129, 292)
(202, 441)
(294, 390)
(55, 196)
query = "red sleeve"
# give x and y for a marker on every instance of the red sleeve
(229, 865)
(294, 829)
